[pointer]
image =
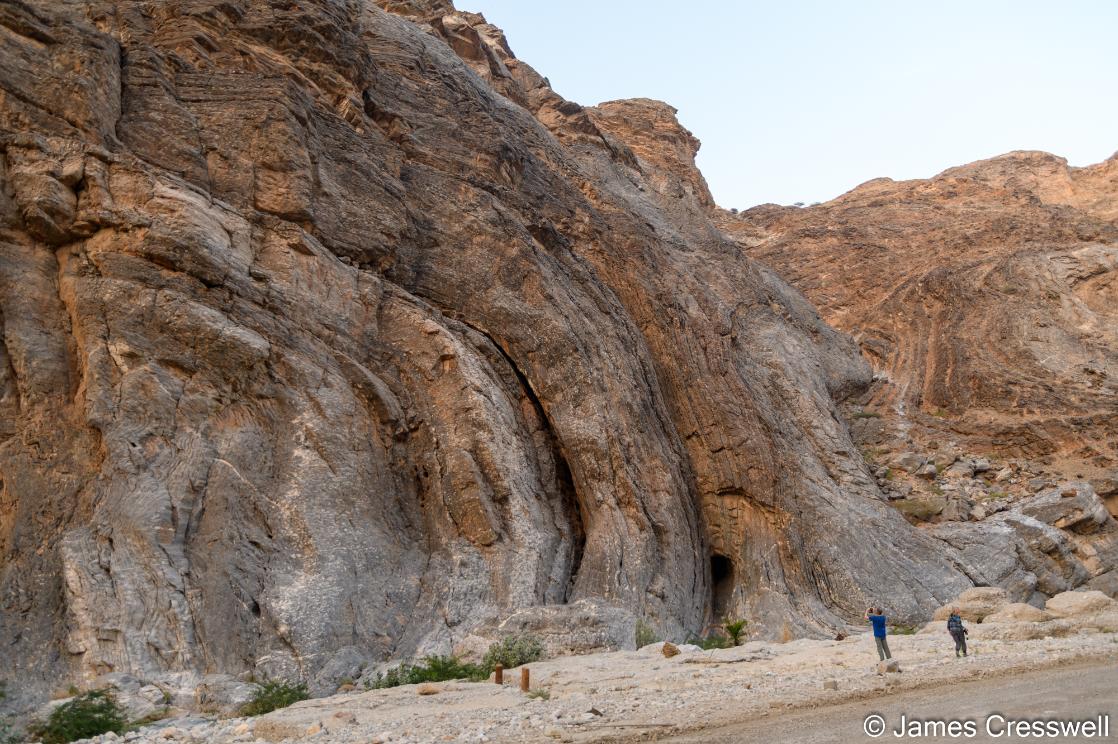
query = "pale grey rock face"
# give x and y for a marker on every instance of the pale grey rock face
(325, 341)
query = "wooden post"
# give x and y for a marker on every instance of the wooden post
(524, 679)
(499, 674)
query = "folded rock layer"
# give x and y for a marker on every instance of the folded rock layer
(986, 297)
(329, 328)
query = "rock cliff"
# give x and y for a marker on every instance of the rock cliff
(332, 334)
(330, 331)
(985, 297)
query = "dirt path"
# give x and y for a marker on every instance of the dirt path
(1081, 691)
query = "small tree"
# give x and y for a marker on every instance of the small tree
(89, 714)
(735, 629)
(513, 651)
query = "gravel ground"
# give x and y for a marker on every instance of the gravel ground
(639, 695)
(1076, 692)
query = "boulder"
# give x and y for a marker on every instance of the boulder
(1074, 506)
(1023, 631)
(921, 507)
(222, 694)
(1105, 621)
(894, 490)
(138, 698)
(944, 457)
(975, 604)
(957, 509)
(1107, 489)
(927, 472)
(1106, 485)
(1107, 583)
(959, 470)
(889, 666)
(1018, 612)
(347, 663)
(909, 462)
(1079, 604)
(1046, 543)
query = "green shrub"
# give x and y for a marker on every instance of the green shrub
(513, 651)
(431, 669)
(539, 694)
(89, 714)
(735, 629)
(710, 642)
(645, 634)
(903, 629)
(273, 695)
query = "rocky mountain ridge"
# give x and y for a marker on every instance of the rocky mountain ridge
(985, 298)
(332, 334)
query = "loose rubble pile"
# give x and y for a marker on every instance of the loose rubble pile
(630, 694)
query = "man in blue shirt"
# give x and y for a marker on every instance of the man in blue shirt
(877, 618)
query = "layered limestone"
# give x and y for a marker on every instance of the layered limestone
(331, 332)
(986, 298)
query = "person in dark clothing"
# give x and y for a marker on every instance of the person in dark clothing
(957, 631)
(876, 617)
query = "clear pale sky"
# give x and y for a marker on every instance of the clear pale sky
(801, 101)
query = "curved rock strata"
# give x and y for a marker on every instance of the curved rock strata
(986, 298)
(330, 331)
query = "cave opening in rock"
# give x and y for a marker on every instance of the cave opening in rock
(721, 585)
(574, 516)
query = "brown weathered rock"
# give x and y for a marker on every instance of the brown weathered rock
(975, 604)
(1077, 604)
(1018, 612)
(669, 650)
(328, 334)
(984, 297)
